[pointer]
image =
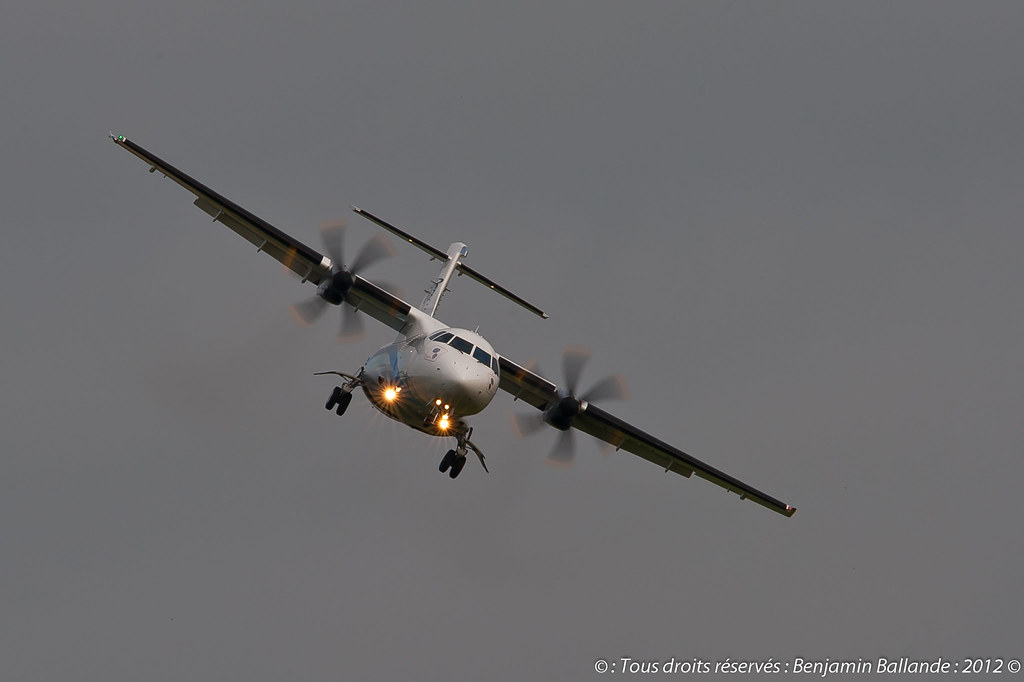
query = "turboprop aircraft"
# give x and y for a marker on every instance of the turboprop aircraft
(434, 376)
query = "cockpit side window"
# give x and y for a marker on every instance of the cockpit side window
(495, 367)
(482, 356)
(441, 337)
(459, 343)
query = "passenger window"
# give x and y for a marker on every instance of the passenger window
(459, 343)
(483, 356)
(442, 337)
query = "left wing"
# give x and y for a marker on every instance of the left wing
(537, 391)
(303, 260)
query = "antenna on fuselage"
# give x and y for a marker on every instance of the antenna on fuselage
(453, 266)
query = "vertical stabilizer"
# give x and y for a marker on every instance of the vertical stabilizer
(439, 285)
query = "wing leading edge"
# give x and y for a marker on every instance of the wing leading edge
(537, 391)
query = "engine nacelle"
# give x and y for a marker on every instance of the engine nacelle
(561, 413)
(333, 290)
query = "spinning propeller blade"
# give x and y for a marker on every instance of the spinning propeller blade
(351, 328)
(377, 249)
(564, 451)
(568, 405)
(308, 311)
(527, 424)
(333, 236)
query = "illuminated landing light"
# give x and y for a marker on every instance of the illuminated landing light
(443, 423)
(391, 393)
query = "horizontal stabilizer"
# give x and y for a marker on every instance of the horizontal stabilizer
(441, 255)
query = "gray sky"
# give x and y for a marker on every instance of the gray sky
(795, 229)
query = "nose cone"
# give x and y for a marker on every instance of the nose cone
(473, 394)
(466, 388)
(466, 396)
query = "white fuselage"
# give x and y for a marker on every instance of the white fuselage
(430, 382)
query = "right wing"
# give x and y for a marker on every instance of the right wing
(537, 391)
(303, 260)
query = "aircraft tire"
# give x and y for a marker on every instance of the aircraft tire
(335, 397)
(457, 467)
(343, 403)
(446, 461)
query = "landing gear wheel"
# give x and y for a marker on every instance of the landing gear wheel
(460, 461)
(446, 461)
(343, 403)
(335, 398)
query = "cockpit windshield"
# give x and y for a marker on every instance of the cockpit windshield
(483, 356)
(459, 343)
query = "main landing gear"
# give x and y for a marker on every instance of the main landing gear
(341, 396)
(455, 460)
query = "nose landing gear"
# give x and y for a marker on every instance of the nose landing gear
(455, 460)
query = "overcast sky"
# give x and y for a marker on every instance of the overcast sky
(794, 227)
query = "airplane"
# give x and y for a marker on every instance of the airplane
(434, 376)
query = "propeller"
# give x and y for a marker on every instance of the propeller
(569, 403)
(332, 290)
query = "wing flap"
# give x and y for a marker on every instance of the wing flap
(616, 437)
(525, 385)
(378, 303)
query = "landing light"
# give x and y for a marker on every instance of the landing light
(443, 423)
(391, 393)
